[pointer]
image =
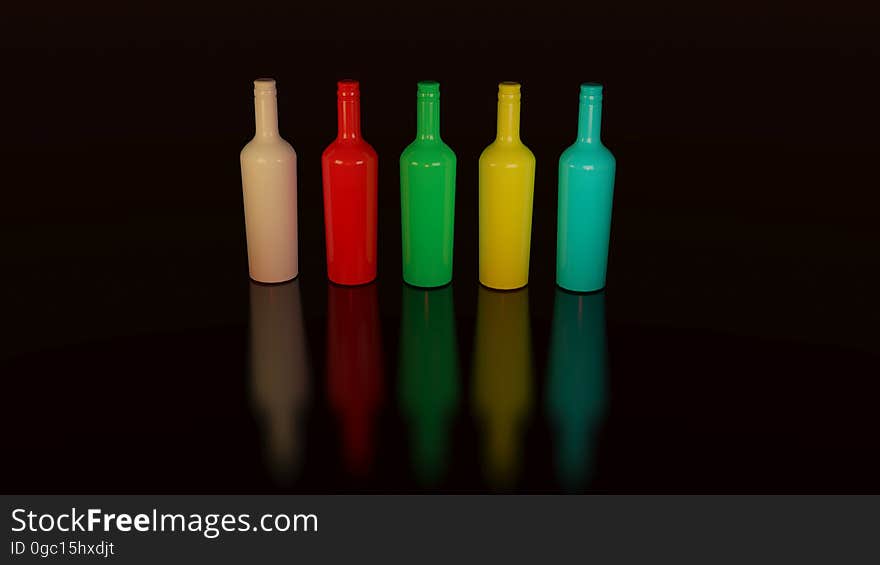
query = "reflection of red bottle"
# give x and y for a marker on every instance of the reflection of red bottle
(354, 368)
(350, 169)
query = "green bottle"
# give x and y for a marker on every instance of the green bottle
(427, 197)
(428, 386)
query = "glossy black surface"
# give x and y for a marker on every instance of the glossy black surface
(738, 350)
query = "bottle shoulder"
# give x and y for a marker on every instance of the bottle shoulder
(591, 153)
(434, 151)
(506, 152)
(343, 149)
(272, 149)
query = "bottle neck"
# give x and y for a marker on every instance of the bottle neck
(428, 119)
(266, 112)
(349, 115)
(508, 119)
(590, 121)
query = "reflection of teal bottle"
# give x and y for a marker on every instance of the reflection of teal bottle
(586, 188)
(427, 197)
(428, 376)
(576, 384)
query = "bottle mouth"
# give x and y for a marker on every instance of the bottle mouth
(591, 91)
(509, 90)
(348, 88)
(264, 86)
(429, 89)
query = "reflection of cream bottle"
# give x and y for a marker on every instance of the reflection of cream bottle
(279, 373)
(268, 181)
(502, 380)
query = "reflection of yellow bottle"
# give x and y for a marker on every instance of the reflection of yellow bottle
(279, 374)
(502, 380)
(507, 187)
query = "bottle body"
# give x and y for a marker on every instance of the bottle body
(350, 180)
(427, 198)
(507, 188)
(268, 182)
(586, 190)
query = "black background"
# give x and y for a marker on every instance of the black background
(742, 305)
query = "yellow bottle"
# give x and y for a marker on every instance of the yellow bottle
(507, 187)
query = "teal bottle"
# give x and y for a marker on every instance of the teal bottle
(428, 388)
(586, 190)
(427, 197)
(577, 384)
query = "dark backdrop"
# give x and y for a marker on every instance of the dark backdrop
(744, 262)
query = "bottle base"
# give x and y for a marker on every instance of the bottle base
(351, 282)
(583, 289)
(271, 280)
(514, 286)
(427, 285)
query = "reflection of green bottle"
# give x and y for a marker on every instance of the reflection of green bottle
(502, 380)
(428, 376)
(427, 197)
(576, 384)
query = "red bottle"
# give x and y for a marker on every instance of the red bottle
(350, 169)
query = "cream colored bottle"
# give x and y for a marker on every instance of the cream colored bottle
(268, 181)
